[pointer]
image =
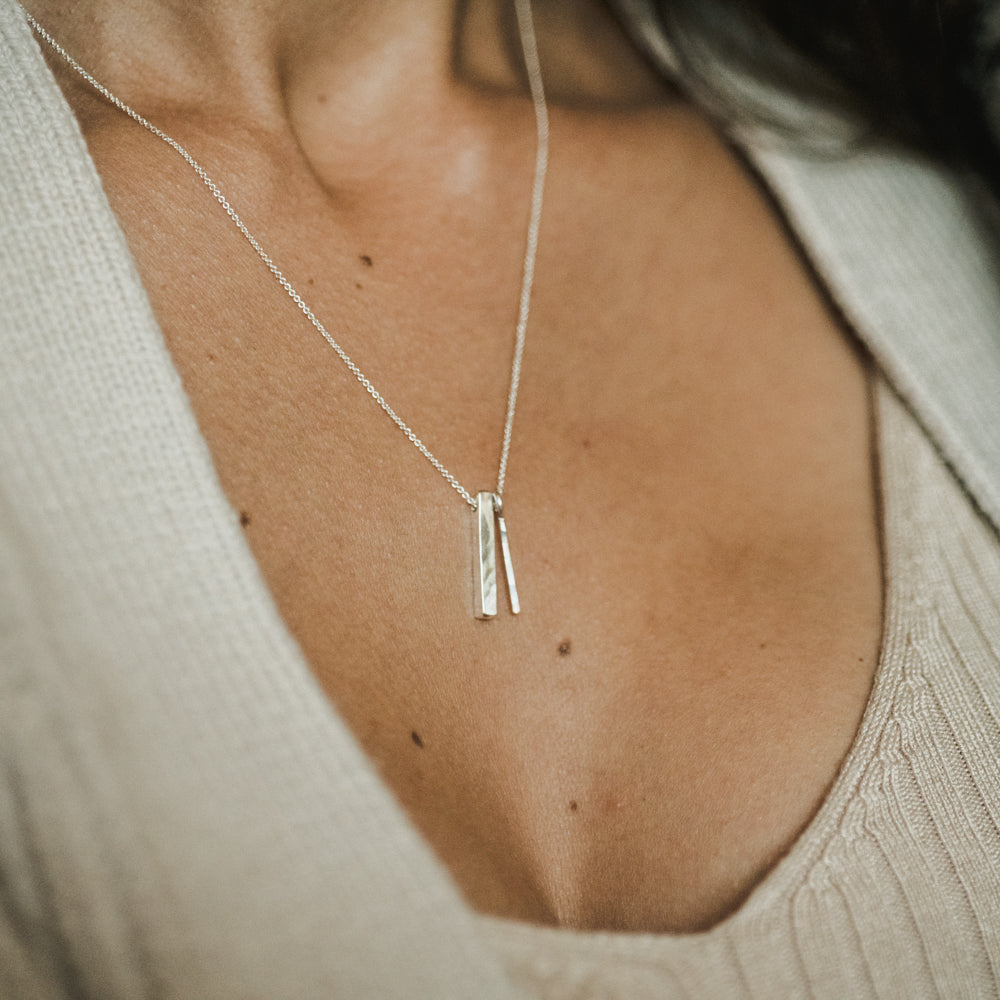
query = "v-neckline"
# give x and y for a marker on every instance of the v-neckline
(794, 182)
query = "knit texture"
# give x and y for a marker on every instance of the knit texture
(182, 814)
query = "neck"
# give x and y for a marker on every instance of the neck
(355, 89)
(246, 56)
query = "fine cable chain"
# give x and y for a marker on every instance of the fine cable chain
(529, 47)
(530, 50)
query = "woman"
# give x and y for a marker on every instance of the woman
(257, 743)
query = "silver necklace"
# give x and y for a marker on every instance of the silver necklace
(487, 504)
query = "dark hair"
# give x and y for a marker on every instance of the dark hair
(919, 71)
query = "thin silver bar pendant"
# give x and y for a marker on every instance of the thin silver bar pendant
(508, 565)
(485, 559)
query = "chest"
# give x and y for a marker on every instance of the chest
(690, 501)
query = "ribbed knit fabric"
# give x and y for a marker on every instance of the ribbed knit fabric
(182, 814)
(894, 889)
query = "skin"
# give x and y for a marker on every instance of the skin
(691, 494)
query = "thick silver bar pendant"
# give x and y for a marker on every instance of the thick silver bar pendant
(485, 561)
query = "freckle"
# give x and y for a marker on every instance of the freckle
(311, 281)
(415, 736)
(211, 358)
(366, 260)
(321, 98)
(586, 442)
(763, 645)
(574, 806)
(357, 284)
(564, 647)
(244, 519)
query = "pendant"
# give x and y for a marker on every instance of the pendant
(489, 517)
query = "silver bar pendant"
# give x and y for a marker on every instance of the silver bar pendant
(489, 514)
(485, 561)
(508, 565)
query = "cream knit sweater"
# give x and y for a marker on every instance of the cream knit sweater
(182, 814)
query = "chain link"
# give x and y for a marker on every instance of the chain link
(532, 65)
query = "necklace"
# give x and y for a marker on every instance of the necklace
(489, 521)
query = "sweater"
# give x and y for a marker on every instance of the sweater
(182, 812)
